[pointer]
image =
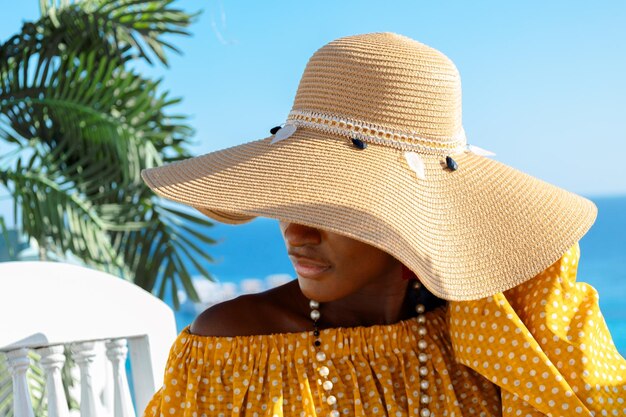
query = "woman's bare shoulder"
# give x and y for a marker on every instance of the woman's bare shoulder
(229, 318)
(268, 312)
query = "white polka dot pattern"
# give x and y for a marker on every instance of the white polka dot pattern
(541, 348)
(545, 343)
(375, 371)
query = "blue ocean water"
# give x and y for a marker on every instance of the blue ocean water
(256, 250)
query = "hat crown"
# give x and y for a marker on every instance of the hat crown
(387, 81)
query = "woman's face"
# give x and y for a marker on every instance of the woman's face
(330, 266)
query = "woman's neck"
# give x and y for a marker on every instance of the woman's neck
(370, 306)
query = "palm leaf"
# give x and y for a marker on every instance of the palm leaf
(84, 126)
(162, 242)
(126, 29)
(58, 213)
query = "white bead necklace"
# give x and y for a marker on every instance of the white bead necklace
(323, 371)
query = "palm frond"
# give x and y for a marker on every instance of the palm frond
(83, 126)
(96, 103)
(56, 213)
(159, 254)
(126, 29)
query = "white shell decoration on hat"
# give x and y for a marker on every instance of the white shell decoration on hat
(416, 163)
(479, 151)
(286, 131)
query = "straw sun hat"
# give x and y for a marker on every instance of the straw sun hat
(374, 149)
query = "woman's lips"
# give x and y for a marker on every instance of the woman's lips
(308, 268)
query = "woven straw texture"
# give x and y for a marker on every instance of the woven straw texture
(467, 234)
(387, 80)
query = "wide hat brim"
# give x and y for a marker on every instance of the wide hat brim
(467, 234)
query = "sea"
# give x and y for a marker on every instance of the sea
(252, 257)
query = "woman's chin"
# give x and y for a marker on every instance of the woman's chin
(319, 291)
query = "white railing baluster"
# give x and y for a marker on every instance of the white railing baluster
(108, 387)
(116, 352)
(18, 364)
(52, 360)
(144, 370)
(84, 355)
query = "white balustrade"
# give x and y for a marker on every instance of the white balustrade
(87, 357)
(79, 307)
(52, 360)
(18, 364)
(107, 393)
(116, 352)
(84, 354)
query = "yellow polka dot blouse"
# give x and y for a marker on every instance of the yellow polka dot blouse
(541, 348)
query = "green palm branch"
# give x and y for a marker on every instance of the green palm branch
(82, 124)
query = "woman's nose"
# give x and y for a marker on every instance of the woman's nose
(300, 235)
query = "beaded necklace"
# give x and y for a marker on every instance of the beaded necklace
(323, 371)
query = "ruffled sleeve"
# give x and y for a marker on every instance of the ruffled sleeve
(221, 376)
(374, 371)
(171, 398)
(545, 343)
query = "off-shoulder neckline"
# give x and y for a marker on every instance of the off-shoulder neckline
(437, 312)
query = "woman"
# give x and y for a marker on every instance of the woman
(386, 212)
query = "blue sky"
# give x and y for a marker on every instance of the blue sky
(543, 82)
